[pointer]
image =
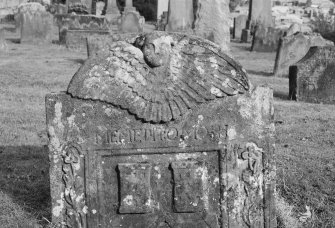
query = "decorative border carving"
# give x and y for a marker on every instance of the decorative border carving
(74, 188)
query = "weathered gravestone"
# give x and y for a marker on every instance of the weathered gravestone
(97, 42)
(312, 79)
(212, 21)
(260, 13)
(75, 28)
(162, 132)
(131, 20)
(181, 15)
(293, 48)
(266, 39)
(99, 7)
(240, 23)
(35, 23)
(76, 40)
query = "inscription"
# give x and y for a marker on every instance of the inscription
(151, 135)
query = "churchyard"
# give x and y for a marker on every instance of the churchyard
(34, 78)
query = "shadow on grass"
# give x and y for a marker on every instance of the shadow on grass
(79, 61)
(260, 73)
(280, 95)
(14, 40)
(24, 176)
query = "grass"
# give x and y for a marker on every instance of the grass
(305, 138)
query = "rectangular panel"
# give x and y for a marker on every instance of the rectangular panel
(188, 186)
(135, 190)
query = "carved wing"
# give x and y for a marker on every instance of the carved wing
(197, 72)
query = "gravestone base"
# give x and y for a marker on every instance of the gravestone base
(246, 36)
(77, 39)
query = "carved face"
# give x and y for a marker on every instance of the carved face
(157, 49)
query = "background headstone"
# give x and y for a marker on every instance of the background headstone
(260, 13)
(131, 22)
(312, 79)
(35, 23)
(212, 21)
(181, 16)
(293, 48)
(266, 39)
(99, 8)
(90, 23)
(240, 23)
(97, 42)
(123, 156)
(76, 40)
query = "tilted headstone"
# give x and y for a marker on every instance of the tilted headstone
(293, 48)
(312, 79)
(240, 23)
(181, 15)
(162, 132)
(212, 21)
(35, 23)
(266, 39)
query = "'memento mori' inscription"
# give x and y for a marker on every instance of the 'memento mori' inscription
(160, 134)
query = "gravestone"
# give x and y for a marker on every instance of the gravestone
(266, 39)
(131, 20)
(35, 23)
(246, 36)
(113, 16)
(260, 13)
(312, 79)
(240, 23)
(3, 42)
(293, 48)
(162, 132)
(81, 24)
(98, 42)
(80, 6)
(99, 8)
(181, 16)
(76, 40)
(212, 21)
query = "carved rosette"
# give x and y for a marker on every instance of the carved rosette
(74, 191)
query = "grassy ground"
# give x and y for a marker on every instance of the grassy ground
(305, 137)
